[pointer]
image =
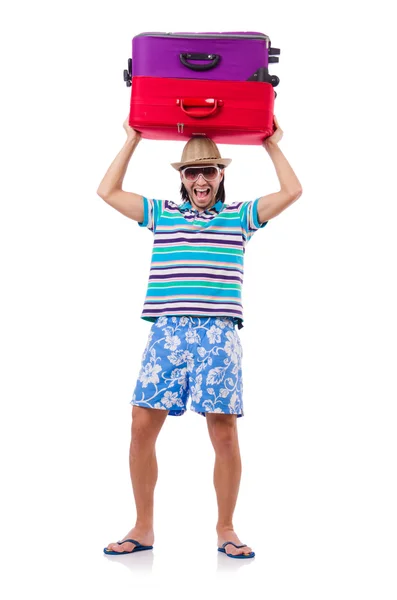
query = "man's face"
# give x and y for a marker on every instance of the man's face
(202, 184)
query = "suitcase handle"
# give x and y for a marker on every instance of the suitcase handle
(185, 57)
(199, 106)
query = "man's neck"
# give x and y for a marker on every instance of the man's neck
(201, 209)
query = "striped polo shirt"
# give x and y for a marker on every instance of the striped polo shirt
(197, 263)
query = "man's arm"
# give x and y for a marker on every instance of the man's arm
(110, 188)
(273, 204)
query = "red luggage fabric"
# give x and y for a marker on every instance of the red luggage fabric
(228, 112)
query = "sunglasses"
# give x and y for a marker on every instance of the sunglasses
(193, 173)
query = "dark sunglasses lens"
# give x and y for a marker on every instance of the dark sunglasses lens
(210, 173)
(190, 174)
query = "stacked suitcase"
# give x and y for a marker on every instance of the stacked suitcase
(212, 84)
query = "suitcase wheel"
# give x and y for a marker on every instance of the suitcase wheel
(274, 80)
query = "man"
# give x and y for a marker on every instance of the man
(194, 304)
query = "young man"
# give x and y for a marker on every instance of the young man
(194, 303)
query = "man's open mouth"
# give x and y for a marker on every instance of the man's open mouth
(202, 193)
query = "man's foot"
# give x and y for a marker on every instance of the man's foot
(143, 536)
(228, 535)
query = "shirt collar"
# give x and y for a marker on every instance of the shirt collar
(216, 208)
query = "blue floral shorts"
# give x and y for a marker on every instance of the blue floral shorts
(192, 357)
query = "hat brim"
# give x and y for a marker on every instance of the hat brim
(223, 162)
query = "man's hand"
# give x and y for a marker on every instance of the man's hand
(132, 134)
(274, 139)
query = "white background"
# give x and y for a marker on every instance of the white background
(318, 491)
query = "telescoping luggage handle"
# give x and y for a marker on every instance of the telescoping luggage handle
(185, 57)
(128, 73)
(199, 108)
(272, 55)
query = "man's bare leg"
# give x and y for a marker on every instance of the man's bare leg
(227, 474)
(146, 425)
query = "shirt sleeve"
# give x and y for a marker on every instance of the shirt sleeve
(152, 211)
(249, 219)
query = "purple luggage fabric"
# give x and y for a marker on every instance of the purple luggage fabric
(231, 56)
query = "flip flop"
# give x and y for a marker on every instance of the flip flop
(138, 548)
(250, 555)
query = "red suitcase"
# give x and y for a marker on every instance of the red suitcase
(229, 112)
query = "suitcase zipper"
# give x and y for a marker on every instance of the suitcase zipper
(213, 128)
(262, 36)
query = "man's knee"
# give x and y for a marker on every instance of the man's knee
(222, 430)
(146, 425)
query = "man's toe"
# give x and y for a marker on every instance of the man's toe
(124, 547)
(113, 547)
(230, 549)
(236, 551)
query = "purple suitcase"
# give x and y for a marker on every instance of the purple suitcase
(231, 56)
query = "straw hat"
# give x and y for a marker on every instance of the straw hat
(201, 150)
